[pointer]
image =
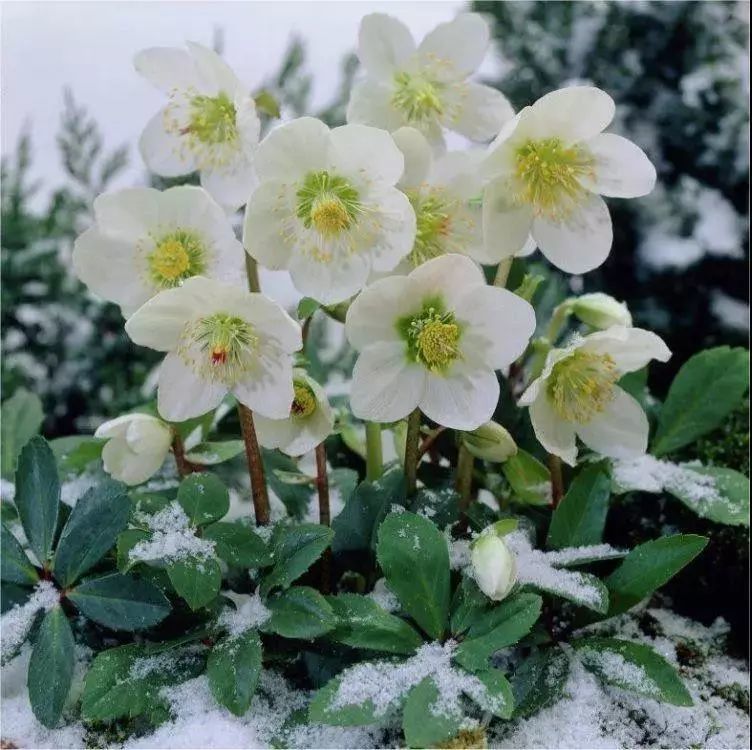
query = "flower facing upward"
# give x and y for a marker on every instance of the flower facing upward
(326, 207)
(137, 446)
(577, 394)
(549, 166)
(209, 124)
(310, 421)
(144, 241)
(219, 338)
(432, 339)
(426, 87)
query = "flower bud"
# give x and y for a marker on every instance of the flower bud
(601, 311)
(490, 442)
(494, 566)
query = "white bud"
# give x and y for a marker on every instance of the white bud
(490, 442)
(494, 566)
(601, 311)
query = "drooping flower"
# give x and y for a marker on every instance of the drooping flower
(219, 338)
(577, 394)
(550, 164)
(494, 566)
(432, 339)
(326, 207)
(601, 311)
(144, 241)
(209, 123)
(426, 87)
(490, 442)
(137, 447)
(310, 421)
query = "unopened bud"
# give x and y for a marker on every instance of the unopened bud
(490, 442)
(601, 311)
(494, 566)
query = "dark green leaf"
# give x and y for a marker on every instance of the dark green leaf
(196, 579)
(233, 671)
(320, 710)
(414, 556)
(539, 681)
(125, 543)
(422, 724)
(210, 454)
(15, 566)
(499, 699)
(727, 501)
(584, 589)
(238, 545)
(10, 595)
(468, 604)
(21, 418)
(51, 667)
(299, 612)
(295, 497)
(529, 478)
(74, 453)
(440, 505)
(307, 307)
(204, 498)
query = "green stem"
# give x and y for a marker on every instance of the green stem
(502, 272)
(412, 449)
(464, 478)
(374, 455)
(251, 271)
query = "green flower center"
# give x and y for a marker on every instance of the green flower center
(304, 402)
(417, 97)
(176, 256)
(226, 343)
(433, 217)
(549, 172)
(212, 119)
(582, 385)
(432, 336)
(327, 203)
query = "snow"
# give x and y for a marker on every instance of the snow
(250, 613)
(382, 595)
(733, 313)
(17, 621)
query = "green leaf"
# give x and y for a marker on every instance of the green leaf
(91, 530)
(707, 388)
(355, 527)
(15, 566)
(38, 496)
(299, 612)
(296, 548)
(20, 420)
(121, 602)
(196, 579)
(633, 666)
(468, 604)
(422, 724)
(499, 699)
(414, 556)
(502, 626)
(529, 478)
(74, 453)
(580, 518)
(320, 711)
(440, 505)
(726, 502)
(238, 545)
(51, 667)
(584, 589)
(307, 307)
(126, 541)
(648, 566)
(210, 454)
(233, 670)
(364, 624)
(539, 681)
(266, 104)
(204, 498)
(10, 595)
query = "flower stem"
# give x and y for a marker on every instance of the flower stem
(464, 479)
(557, 483)
(178, 450)
(325, 516)
(251, 271)
(255, 466)
(502, 272)
(412, 448)
(374, 455)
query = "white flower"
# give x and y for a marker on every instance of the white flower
(576, 394)
(310, 421)
(144, 241)
(432, 339)
(550, 165)
(137, 448)
(219, 338)
(426, 87)
(209, 124)
(601, 311)
(494, 566)
(326, 207)
(490, 442)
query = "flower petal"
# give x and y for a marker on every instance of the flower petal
(126, 466)
(292, 150)
(622, 168)
(630, 348)
(128, 214)
(163, 151)
(232, 187)
(182, 394)
(386, 386)
(574, 113)
(367, 152)
(274, 433)
(147, 434)
(449, 276)
(269, 391)
(371, 104)
(553, 433)
(167, 68)
(620, 431)
(463, 42)
(417, 153)
(384, 44)
(216, 75)
(506, 226)
(481, 113)
(332, 281)
(396, 219)
(580, 243)
(263, 229)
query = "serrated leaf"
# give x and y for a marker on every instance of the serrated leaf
(299, 612)
(20, 420)
(15, 566)
(539, 681)
(196, 579)
(238, 545)
(204, 498)
(414, 556)
(211, 454)
(422, 724)
(529, 478)
(233, 670)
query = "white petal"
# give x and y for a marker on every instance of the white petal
(630, 348)
(365, 151)
(263, 233)
(188, 206)
(396, 219)
(270, 320)
(329, 282)
(622, 169)
(269, 391)
(147, 434)
(620, 431)
(553, 433)
(371, 104)
(313, 431)
(449, 276)
(118, 427)
(108, 267)
(481, 112)
(274, 433)
(162, 151)
(506, 227)
(580, 243)
(384, 44)
(500, 157)
(528, 248)
(214, 72)
(463, 400)
(371, 317)
(459, 172)
(231, 187)
(167, 68)
(499, 324)
(126, 466)
(417, 153)
(292, 150)
(462, 42)
(128, 214)
(385, 386)
(575, 113)
(182, 394)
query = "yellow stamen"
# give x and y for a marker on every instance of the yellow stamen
(304, 403)
(170, 259)
(582, 385)
(436, 343)
(330, 216)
